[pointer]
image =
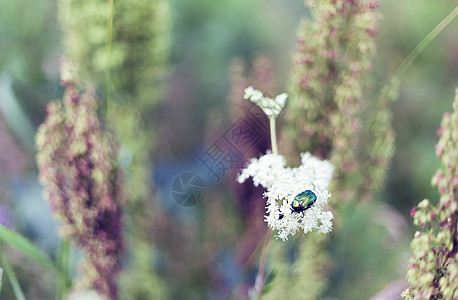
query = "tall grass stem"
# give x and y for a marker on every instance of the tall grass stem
(108, 66)
(63, 260)
(17, 290)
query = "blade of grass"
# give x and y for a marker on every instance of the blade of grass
(413, 55)
(62, 264)
(390, 87)
(108, 66)
(18, 293)
(424, 43)
(1, 280)
(26, 247)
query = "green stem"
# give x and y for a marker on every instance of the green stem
(424, 43)
(108, 66)
(63, 265)
(17, 290)
(1, 280)
(259, 284)
(273, 135)
(405, 64)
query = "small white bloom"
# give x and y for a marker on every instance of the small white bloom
(264, 170)
(271, 107)
(284, 184)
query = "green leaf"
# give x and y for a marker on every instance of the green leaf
(63, 280)
(26, 247)
(269, 283)
(18, 293)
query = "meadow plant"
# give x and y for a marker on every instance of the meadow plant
(138, 54)
(341, 142)
(324, 115)
(327, 108)
(285, 184)
(296, 197)
(77, 160)
(330, 116)
(122, 47)
(311, 258)
(433, 269)
(136, 63)
(258, 73)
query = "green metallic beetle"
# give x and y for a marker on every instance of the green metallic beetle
(303, 201)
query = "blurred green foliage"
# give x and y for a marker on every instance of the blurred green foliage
(306, 278)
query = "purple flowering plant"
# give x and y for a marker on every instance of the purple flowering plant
(77, 159)
(433, 269)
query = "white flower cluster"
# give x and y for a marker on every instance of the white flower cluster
(264, 170)
(284, 184)
(271, 107)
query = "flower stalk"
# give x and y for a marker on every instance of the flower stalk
(289, 207)
(258, 99)
(108, 66)
(259, 284)
(273, 135)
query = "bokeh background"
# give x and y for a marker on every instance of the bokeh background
(211, 251)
